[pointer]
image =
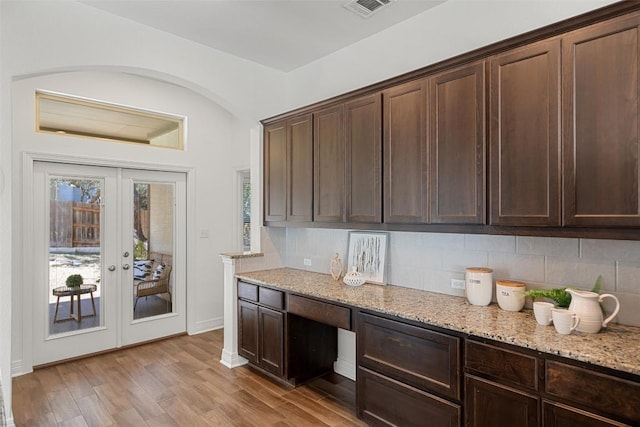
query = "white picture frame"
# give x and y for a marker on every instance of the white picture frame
(367, 251)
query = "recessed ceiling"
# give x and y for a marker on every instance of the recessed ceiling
(279, 34)
(90, 119)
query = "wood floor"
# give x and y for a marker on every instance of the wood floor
(176, 382)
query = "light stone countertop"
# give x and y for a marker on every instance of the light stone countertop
(616, 347)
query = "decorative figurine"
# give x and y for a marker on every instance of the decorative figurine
(335, 267)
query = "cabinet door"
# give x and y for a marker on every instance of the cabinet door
(384, 401)
(491, 404)
(328, 165)
(248, 331)
(300, 169)
(601, 68)
(363, 136)
(275, 172)
(405, 153)
(271, 333)
(558, 415)
(457, 146)
(525, 136)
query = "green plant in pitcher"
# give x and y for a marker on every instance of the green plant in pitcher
(74, 281)
(560, 296)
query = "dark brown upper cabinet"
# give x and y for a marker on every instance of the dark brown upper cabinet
(601, 69)
(405, 174)
(300, 166)
(275, 172)
(329, 165)
(363, 140)
(525, 136)
(457, 145)
(288, 170)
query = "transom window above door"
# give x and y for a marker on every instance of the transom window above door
(69, 115)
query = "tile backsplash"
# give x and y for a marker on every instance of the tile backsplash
(430, 260)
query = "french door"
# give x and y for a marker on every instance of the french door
(122, 234)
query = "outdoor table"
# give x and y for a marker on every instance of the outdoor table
(65, 291)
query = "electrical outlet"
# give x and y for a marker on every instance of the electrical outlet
(307, 262)
(457, 284)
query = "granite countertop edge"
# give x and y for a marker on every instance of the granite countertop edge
(615, 347)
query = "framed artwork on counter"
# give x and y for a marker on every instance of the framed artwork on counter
(367, 252)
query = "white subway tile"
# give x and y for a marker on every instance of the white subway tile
(629, 313)
(443, 240)
(440, 282)
(483, 242)
(548, 246)
(517, 267)
(628, 278)
(458, 261)
(581, 273)
(613, 250)
(406, 277)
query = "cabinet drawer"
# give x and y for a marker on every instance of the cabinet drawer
(420, 357)
(384, 401)
(271, 298)
(247, 291)
(558, 415)
(594, 390)
(502, 364)
(319, 311)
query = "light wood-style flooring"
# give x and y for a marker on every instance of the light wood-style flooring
(175, 382)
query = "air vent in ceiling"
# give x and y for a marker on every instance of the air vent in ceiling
(366, 8)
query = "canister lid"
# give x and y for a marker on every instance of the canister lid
(510, 283)
(479, 270)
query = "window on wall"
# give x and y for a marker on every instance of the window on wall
(245, 189)
(69, 115)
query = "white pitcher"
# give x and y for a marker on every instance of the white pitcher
(586, 305)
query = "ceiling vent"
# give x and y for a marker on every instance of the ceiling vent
(366, 8)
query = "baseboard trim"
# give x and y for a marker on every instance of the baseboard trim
(208, 325)
(17, 368)
(232, 360)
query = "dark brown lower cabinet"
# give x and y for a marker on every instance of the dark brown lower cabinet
(413, 374)
(511, 386)
(271, 333)
(407, 374)
(261, 337)
(248, 331)
(291, 338)
(488, 403)
(387, 402)
(559, 415)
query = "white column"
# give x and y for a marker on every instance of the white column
(230, 357)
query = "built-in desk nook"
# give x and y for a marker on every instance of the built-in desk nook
(427, 356)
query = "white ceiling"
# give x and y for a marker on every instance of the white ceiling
(281, 34)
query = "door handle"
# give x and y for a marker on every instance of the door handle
(112, 267)
(125, 254)
(125, 266)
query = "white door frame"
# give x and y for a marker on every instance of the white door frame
(28, 159)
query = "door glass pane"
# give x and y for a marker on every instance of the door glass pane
(153, 242)
(74, 254)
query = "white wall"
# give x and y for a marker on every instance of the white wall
(213, 145)
(449, 29)
(44, 37)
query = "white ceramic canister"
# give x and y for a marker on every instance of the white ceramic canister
(479, 285)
